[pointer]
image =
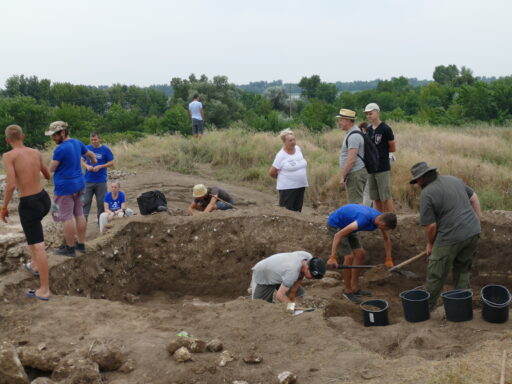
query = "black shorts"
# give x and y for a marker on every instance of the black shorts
(32, 209)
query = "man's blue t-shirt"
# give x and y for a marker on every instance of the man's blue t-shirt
(114, 205)
(103, 156)
(68, 178)
(365, 217)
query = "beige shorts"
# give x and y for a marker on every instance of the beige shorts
(380, 185)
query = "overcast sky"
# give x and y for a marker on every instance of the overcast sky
(148, 42)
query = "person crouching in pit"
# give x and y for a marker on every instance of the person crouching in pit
(209, 199)
(284, 272)
(343, 224)
(115, 205)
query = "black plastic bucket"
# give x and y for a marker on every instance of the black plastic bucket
(458, 305)
(377, 317)
(496, 301)
(415, 304)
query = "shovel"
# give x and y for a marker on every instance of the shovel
(356, 266)
(397, 269)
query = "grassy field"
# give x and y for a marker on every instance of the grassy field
(480, 156)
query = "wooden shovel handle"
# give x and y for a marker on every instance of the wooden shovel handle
(408, 261)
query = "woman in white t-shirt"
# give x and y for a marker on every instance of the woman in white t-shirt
(290, 170)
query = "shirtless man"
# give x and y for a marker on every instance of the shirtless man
(23, 166)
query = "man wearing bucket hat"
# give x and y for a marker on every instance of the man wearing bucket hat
(209, 199)
(284, 272)
(382, 136)
(450, 215)
(69, 183)
(353, 171)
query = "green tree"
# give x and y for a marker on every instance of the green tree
(176, 119)
(277, 97)
(119, 119)
(445, 74)
(32, 117)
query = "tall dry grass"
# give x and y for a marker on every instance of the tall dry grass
(480, 156)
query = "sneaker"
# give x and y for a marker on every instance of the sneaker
(362, 293)
(353, 298)
(66, 251)
(80, 247)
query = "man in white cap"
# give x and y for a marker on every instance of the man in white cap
(450, 215)
(353, 171)
(69, 183)
(209, 199)
(380, 182)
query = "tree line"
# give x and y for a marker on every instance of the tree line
(455, 97)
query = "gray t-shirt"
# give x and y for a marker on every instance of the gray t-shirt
(445, 201)
(281, 268)
(354, 141)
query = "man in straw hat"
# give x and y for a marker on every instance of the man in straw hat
(353, 172)
(450, 216)
(209, 199)
(69, 183)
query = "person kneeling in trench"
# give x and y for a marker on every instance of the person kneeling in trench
(343, 224)
(209, 199)
(115, 205)
(284, 272)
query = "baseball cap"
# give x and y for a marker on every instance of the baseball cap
(199, 190)
(55, 127)
(372, 107)
(317, 267)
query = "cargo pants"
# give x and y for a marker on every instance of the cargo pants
(459, 257)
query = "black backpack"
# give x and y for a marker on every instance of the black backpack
(371, 153)
(152, 201)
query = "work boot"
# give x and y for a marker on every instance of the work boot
(361, 292)
(80, 247)
(66, 251)
(353, 298)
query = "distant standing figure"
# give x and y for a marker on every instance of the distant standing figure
(353, 171)
(284, 272)
(114, 205)
(69, 183)
(23, 167)
(209, 199)
(96, 175)
(380, 182)
(450, 216)
(290, 170)
(196, 113)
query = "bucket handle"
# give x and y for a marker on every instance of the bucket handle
(496, 305)
(455, 292)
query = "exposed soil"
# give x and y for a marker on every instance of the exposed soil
(151, 277)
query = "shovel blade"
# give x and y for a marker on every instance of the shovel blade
(409, 274)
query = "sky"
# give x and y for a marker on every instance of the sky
(149, 42)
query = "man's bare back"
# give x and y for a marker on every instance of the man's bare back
(24, 165)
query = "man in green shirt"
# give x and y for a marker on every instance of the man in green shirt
(450, 215)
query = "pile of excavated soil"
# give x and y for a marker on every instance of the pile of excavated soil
(153, 277)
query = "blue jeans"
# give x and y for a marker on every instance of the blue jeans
(223, 206)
